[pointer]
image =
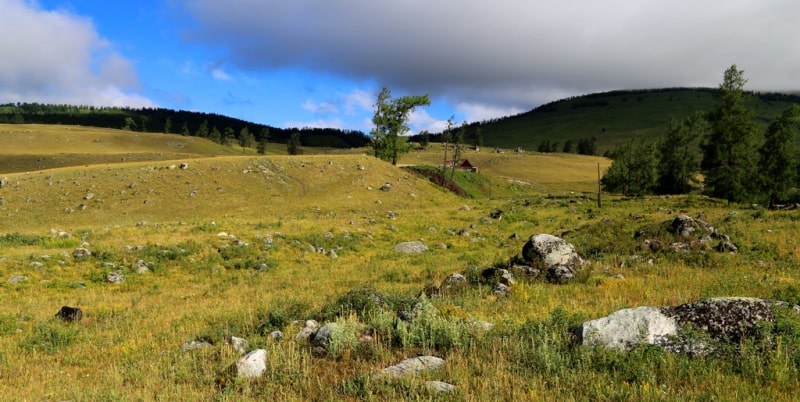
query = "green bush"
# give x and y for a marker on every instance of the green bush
(50, 337)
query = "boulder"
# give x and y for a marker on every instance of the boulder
(69, 314)
(454, 282)
(411, 247)
(440, 387)
(81, 253)
(723, 318)
(684, 226)
(240, 345)
(627, 328)
(412, 366)
(252, 365)
(501, 290)
(553, 254)
(322, 338)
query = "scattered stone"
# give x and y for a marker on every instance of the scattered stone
(360, 167)
(276, 335)
(81, 253)
(439, 387)
(322, 338)
(69, 314)
(386, 187)
(194, 345)
(496, 214)
(252, 365)
(115, 277)
(37, 265)
(454, 282)
(304, 334)
(17, 279)
(441, 246)
(501, 290)
(684, 226)
(553, 254)
(240, 345)
(140, 267)
(412, 366)
(88, 196)
(332, 254)
(726, 246)
(184, 166)
(3, 181)
(411, 247)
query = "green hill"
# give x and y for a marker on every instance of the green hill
(611, 117)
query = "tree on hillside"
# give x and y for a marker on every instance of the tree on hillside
(587, 146)
(168, 126)
(246, 138)
(568, 147)
(478, 138)
(677, 164)
(185, 130)
(729, 149)
(390, 119)
(293, 146)
(633, 171)
(777, 163)
(215, 135)
(457, 139)
(424, 138)
(130, 124)
(202, 130)
(263, 139)
(228, 137)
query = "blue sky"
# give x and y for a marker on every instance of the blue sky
(320, 63)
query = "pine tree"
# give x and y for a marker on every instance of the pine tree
(729, 150)
(677, 164)
(633, 171)
(777, 163)
(293, 146)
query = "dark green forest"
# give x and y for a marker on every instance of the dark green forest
(159, 120)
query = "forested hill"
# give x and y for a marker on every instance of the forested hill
(611, 117)
(216, 127)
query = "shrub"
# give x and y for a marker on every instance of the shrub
(50, 337)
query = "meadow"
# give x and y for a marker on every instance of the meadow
(233, 242)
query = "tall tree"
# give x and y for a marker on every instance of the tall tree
(215, 135)
(246, 138)
(677, 165)
(263, 139)
(202, 130)
(568, 147)
(228, 137)
(185, 129)
(293, 146)
(633, 171)
(478, 138)
(168, 125)
(729, 150)
(777, 163)
(424, 138)
(390, 120)
(458, 138)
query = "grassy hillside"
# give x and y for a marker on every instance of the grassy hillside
(611, 117)
(240, 245)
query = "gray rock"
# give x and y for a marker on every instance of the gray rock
(140, 267)
(627, 328)
(414, 365)
(684, 226)
(3, 181)
(439, 387)
(276, 335)
(453, 282)
(240, 345)
(252, 365)
(81, 253)
(194, 345)
(386, 187)
(184, 166)
(726, 246)
(16, 279)
(553, 254)
(411, 247)
(36, 264)
(501, 290)
(115, 277)
(324, 334)
(723, 318)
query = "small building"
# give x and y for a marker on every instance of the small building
(463, 165)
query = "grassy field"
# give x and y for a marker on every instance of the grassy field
(228, 241)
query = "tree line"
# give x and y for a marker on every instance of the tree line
(218, 128)
(722, 151)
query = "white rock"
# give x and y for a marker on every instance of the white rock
(252, 365)
(413, 366)
(626, 328)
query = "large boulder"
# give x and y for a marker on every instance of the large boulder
(411, 247)
(553, 254)
(684, 226)
(723, 319)
(627, 328)
(252, 365)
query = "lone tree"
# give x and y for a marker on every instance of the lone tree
(729, 150)
(293, 146)
(246, 138)
(777, 163)
(391, 116)
(263, 139)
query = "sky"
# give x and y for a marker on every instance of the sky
(321, 63)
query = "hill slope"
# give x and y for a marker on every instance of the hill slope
(612, 117)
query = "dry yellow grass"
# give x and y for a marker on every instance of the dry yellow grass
(127, 346)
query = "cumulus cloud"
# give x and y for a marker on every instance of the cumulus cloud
(509, 54)
(58, 57)
(320, 108)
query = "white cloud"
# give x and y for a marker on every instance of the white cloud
(320, 108)
(219, 74)
(420, 120)
(321, 123)
(480, 112)
(58, 57)
(510, 54)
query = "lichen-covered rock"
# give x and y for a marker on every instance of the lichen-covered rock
(554, 255)
(81, 253)
(684, 226)
(454, 282)
(723, 318)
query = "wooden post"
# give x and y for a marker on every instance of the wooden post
(599, 188)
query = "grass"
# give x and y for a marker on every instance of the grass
(208, 285)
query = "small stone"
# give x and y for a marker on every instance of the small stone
(440, 387)
(240, 345)
(194, 345)
(81, 253)
(17, 279)
(115, 277)
(276, 335)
